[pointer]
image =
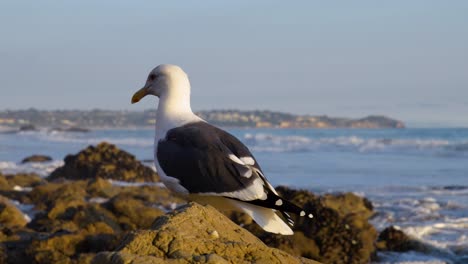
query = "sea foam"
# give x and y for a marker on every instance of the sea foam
(287, 143)
(41, 168)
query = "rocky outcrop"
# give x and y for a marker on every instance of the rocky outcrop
(72, 205)
(76, 219)
(339, 232)
(393, 239)
(105, 161)
(10, 216)
(81, 216)
(21, 180)
(36, 158)
(28, 128)
(132, 212)
(16, 186)
(195, 234)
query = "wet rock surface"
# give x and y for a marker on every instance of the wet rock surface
(105, 161)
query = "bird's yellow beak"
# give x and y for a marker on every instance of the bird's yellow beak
(139, 94)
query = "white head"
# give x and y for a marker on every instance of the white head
(168, 82)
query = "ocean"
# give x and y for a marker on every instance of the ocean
(416, 178)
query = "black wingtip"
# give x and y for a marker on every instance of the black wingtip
(275, 202)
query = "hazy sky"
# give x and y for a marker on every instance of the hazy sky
(406, 59)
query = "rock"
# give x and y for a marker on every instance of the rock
(77, 129)
(71, 205)
(10, 216)
(75, 219)
(36, 158)
(14, 242)
(9, 181)
(3, 254)
(70, 247)
(376, 122)
(65, 206)
(104, 161)
(71, 129)
(24, 180)
(155, 195)
(132, 213)
(4, 184)
(194, 234)
(16, 186)
(28, 128)
(393, 239)
(339, 232)
(46, 196)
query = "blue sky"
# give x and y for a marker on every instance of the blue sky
(405, 59)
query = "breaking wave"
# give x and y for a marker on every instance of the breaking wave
(41, 168)
(275, 143)
(86, 139)
(272, 142)
(435, 216)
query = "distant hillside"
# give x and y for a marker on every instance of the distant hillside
(78, 119)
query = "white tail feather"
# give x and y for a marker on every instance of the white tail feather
(266, 218)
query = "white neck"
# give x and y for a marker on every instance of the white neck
(174, 108)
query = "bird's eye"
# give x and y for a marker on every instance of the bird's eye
(152, 77)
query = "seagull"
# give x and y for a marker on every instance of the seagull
(205, 163)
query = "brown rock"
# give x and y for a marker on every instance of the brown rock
(339, 232)
(131, 212)
(393, 239)
(13, 186)
(46, 196)
(70, 204)
(65, 207)
(70, 247)
(24, 180)
(36, 158)
(195, 234)
(72, 226)
(104, 161)
(10, 216)
(4, 184)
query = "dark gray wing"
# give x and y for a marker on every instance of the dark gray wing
(197, 154)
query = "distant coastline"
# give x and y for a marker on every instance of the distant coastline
(81, 120)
